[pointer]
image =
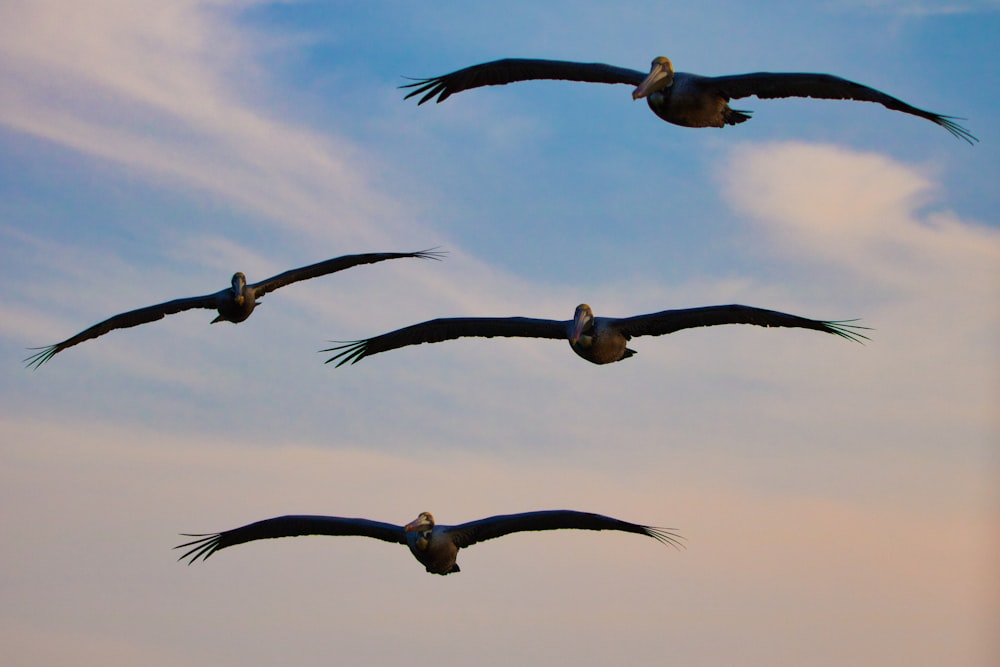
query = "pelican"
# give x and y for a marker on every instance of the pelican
(436, 547)
(599, 340)
(234, 304)
(680, 98)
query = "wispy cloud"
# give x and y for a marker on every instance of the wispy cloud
(866, 224)
(151, 87)
(865, 212)
(807, 472)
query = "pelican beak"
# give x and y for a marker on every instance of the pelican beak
(239, 282)
(661, 75)
(418, 525)
(580, 321)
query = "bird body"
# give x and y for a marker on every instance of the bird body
(599, 340)
(434, 546)
(233, 304)
(236, 303)
(692, 101)
(689, 100)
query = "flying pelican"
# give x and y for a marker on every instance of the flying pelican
(234, 304)
(599, 340)
(436, 547)
(680, 98)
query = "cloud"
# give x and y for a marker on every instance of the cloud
(168, 90)
(863, 226)
(828, 490)
(869, 215)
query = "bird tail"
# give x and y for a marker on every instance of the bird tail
(737, 116)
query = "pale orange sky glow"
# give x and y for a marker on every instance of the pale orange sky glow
(840, 502)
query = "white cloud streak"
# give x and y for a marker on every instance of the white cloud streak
(806, 473)
(149, 86)
(928, 281)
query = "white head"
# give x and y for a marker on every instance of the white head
(661, 75)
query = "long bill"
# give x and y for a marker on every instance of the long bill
(661, 75)
(238, 285)
(581, 318)
(420, 524)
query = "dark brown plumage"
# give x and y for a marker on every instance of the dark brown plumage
(599, 340)
(234, 304)
(436, 547)
(689, 100)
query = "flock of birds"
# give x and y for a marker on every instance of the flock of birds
(689, 100)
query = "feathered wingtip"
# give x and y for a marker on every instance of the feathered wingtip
(35, 361)
(948, 123)
(206, 545)
(431, 253)
(348, 351)
(845, 329)
(432, 87)
(665, 536)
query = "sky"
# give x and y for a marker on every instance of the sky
(840, 502)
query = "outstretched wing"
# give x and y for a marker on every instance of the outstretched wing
(669, 321)
(132, 318)
(510, 70)
(823, 86)
(334, 265)
(435, 331)
(289, 526)
(467, 534)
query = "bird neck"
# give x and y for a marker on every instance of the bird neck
(423, 540)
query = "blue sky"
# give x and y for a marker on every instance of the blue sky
(840, 501)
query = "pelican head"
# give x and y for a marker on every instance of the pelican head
(422, 524)
(583, 320)
(661, 75)
(239, 284)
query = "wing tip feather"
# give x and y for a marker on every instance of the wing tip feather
(433, 86)
(35, 361)
(845, 329)
(667, 536)
(203, 547)
(431, 253)
(956, 129)
(347, 351)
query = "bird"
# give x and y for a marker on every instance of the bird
(234, 304)
(689, 100)
(599, 340)
(434, 546)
